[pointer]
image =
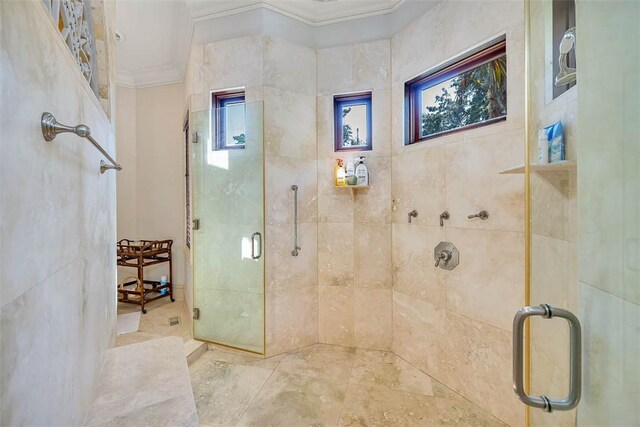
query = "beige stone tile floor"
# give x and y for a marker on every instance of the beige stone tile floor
(155, 324)
(324, 385)
(145, 383)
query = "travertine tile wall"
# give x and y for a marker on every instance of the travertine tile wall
(354, 236)
(553, 227)
(58, 298)
(456, 325)
(289, 77)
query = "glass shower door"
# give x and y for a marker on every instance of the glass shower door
(585, 218)
(228, 246)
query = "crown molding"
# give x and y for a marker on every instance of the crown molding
(205, 16)
(152, 76)
(264, 18)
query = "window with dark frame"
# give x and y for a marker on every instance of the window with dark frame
(228, 120)
(467, 92)
(352, 120)
(187, 183)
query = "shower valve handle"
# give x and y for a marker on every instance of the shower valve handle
(445, 256)
(483, 215)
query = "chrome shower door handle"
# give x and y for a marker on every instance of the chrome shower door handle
(253, 245)
(575, 355)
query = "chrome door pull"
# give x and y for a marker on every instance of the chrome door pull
(575, 365)
(253, 245)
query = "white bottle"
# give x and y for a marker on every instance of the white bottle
(362, 175)
(351, 169)
(543, 147)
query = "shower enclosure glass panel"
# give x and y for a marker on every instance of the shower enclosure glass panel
(229, 246)
(585, 218)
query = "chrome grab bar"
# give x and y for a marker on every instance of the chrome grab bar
(296, 248)
(253, 245)
(51, 128)
(575, 368)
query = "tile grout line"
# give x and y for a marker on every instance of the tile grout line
(255, 396)
(442, 383)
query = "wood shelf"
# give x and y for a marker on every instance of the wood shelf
(351, 188)
(561, 166)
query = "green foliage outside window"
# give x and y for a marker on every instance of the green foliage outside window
(474, 96)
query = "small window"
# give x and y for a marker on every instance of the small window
(463, 94)
(352, 122)
(229, 120)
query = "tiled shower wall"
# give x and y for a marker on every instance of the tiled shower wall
(354, 236)
(290, 143)
(57, 233)
(283, 76)
(456, 325)
(364, 276)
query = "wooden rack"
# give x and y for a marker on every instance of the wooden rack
(140, 254)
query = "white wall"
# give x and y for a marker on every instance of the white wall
(126, 137)
(57, 233)
(151, 193)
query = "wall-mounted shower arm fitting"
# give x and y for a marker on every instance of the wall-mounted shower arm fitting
(483, 215)
(412, 214)
(444, 216)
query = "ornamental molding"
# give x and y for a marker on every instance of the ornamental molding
(74, 21)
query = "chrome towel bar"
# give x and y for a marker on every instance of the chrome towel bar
(51, 128)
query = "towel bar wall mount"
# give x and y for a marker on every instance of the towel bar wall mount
(51, 128)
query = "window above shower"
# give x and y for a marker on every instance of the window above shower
(228, 120)
(352, 120)
(464, 93)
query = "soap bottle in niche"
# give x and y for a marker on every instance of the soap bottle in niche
(340, 174)
(362, 175)
(335, 171)
(556, 142)
(351, 173)
(543, 147)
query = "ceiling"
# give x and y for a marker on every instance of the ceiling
(157, 33)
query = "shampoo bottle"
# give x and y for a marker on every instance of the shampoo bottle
(543, 147)
(362, 175)
(335, 171)
(556, 142)
(351, 173)
(341, 180)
